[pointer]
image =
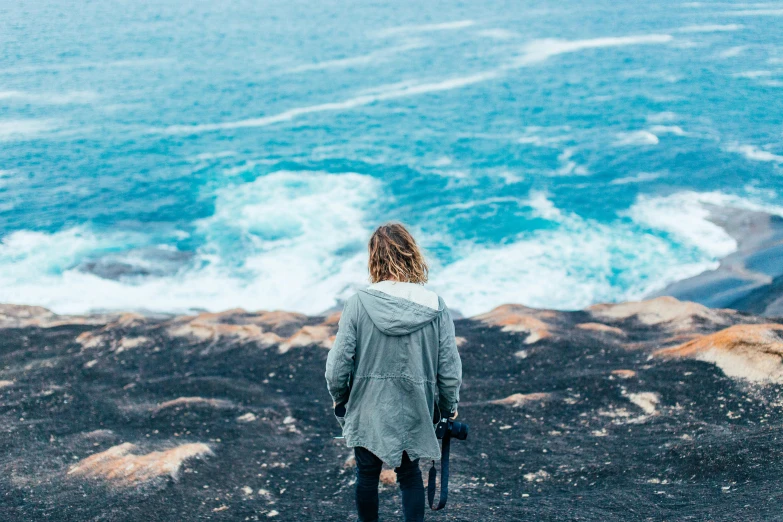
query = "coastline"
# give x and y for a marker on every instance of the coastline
(748, 280)
(226, 414)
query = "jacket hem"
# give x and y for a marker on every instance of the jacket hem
(413, 455)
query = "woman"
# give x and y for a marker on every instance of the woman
(393, 364)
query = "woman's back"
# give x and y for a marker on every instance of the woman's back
(400, 355)
(395, 356)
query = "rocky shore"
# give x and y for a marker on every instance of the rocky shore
(750, 279)
(655, 410)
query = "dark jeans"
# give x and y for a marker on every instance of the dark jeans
(368, 470)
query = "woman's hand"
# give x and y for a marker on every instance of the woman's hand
(454, 416)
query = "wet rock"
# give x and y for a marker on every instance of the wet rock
(122, 466)
(746, 351)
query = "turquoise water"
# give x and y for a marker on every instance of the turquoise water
(163, 156)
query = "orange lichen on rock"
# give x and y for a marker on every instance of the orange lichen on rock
(239, 325)
(208, 326)
(388, 477)
(117, 464)
(103, 335)
(666, 311)
(320, 335)
(600, 327)
(128, 343)
(518, 318)
(624, 374)
(745, 351)
(278, 319)
(192, 401)
(90, 340)
(333, 318)
(520, 399)
(21, 316)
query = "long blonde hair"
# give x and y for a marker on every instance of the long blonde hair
(395, 255)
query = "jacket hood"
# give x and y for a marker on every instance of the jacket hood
(395, 315)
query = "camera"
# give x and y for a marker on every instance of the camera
(453, 429)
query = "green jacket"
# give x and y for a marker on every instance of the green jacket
(391, 359)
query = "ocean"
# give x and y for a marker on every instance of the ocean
(172, 156)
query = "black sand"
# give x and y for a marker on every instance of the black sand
(710, 449)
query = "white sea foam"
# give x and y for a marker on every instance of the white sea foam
(353, 61)
(583, 261)
(569, 267)
(426, 28)
(754, 153)
(351, 103)
(20, 129)
(443, 161)
(692, 225)
(544, 207)
(120, 64)
(67, 98)
(683, 216)
(732, 52)
(542, 50)
(209, 156)
(667, 129)
(755, 12)
(710, 28)
(638, 178)
(296, 241)
(636, 138)
(662, 117)
(467, 205)
(289, 240)
(541, 141)
(535, 52)
(569, 166)
(753, 74)
(498, 34)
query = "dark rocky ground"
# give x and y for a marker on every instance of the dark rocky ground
(603, 428)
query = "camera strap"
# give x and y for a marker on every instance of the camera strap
(444, 476)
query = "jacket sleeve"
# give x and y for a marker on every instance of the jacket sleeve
(339, 362)
(449, 366)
